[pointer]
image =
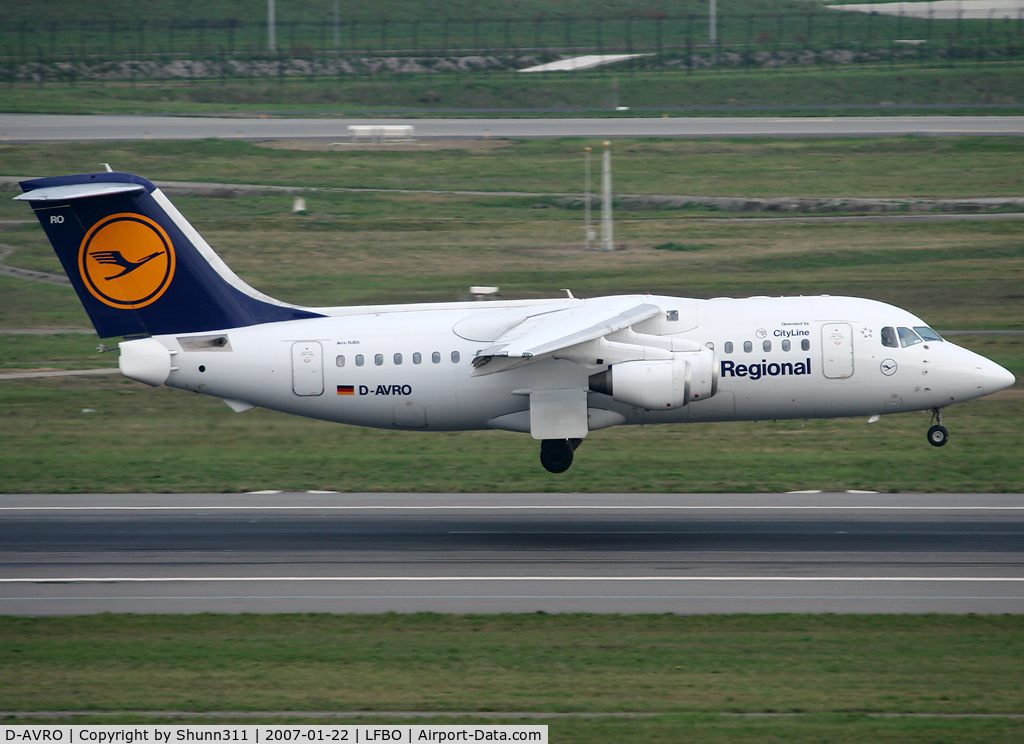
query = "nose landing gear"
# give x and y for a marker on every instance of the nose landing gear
(937, 435)
(556, 454)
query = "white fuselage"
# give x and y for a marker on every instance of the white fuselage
(409, 366)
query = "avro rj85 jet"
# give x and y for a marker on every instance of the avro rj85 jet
(556, 369)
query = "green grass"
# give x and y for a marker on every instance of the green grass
(904, 167)
(61, 351)
(670, 246)
(650, 93)
(829, 666)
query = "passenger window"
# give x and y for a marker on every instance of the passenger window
(436, 357)
(748, 347)
(786, 344)
(908, 337)
(710, 345)
(805, 344)
(927, 333)
(340, 361)
(728, 347)
(455, 357)
(378, 359)
(767, 346)
(889, 338)
(398, 358)
(359, 360)
(417, 358)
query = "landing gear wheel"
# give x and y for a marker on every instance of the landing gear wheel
(938, 436)
(556, 454)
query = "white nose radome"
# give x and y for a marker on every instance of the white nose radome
(995, 378)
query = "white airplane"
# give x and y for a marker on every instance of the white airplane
(556, 369)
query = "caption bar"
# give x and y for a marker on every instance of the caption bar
(362, 734)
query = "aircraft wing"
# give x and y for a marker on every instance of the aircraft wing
(540, 336)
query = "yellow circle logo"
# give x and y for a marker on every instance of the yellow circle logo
(127, 261)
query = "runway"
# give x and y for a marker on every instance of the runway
(485, 553)
(55, 128)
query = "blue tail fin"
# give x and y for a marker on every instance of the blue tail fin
(137, 264)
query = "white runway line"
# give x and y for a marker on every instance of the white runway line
(503, 507)
(684, 597)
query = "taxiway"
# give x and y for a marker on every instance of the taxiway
(55, 127)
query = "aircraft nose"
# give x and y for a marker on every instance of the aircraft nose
(995, 378)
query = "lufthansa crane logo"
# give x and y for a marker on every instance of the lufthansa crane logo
(127, 261)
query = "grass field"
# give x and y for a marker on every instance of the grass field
(966, 87)
(387, 247)
(845, 167)
(561, 663)
(694, 673)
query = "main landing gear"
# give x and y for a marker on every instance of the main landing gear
(556, 454)
(937, 435)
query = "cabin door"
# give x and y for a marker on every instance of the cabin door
(307, 368)
(837, 350)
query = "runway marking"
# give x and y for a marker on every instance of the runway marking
(508, 596)
(679, 579)
(700, 532)
(512, 507)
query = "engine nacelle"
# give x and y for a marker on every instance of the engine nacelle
(660, 384)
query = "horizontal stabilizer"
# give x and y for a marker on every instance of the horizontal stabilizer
(80, 191)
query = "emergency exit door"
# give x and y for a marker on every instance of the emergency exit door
(837, 350)
(307, 368)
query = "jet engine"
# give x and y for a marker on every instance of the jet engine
(660, 384)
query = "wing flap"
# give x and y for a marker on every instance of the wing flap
(543, 335)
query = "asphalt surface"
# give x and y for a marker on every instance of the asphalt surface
(43, 128)
(689, 553)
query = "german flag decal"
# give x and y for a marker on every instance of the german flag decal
(346, 390)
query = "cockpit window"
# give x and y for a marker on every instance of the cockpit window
(927, 333)
(908, 337)
(889, 338)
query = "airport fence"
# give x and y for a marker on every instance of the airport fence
(52, 50)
